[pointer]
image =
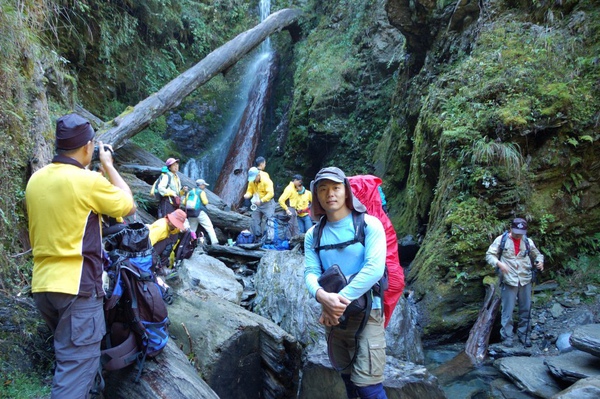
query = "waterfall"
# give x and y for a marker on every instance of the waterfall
(255, 84)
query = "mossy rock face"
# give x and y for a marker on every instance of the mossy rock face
(342, 90)
(500, 133)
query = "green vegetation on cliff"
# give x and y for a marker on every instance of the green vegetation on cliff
(512, 128)
(341, 97)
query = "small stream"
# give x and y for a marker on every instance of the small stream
(471, 382)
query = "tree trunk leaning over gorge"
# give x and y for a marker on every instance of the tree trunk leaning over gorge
(128, 124)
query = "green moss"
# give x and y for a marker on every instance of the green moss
(340, 101)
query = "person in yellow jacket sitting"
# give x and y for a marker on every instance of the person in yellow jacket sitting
(299, 204)
(260, 191)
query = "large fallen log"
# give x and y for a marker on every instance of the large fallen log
(135, 120)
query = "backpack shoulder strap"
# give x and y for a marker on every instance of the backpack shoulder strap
(502, 244)
(358, 218)
(318, 232)
(358, 221)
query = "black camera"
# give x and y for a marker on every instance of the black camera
(96, 153)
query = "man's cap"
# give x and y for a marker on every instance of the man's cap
(330, 173)
(177, 218)
(171, 161)
(252, 173)
(336, 175)
(297, 177)
(73, 131)
(201, 182)
(519, 226)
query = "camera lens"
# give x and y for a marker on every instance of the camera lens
(96, 154)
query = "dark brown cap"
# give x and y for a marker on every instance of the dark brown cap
(73, 131)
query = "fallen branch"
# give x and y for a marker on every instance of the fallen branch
(145, 112)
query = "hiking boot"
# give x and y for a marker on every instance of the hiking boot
(508, 342)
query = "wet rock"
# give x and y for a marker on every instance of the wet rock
(546, 286)
(401, 337)
(587, 338)
(529, 374)
(573, 366)
(157, 379)
(588, 388)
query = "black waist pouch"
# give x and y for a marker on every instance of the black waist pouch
(333, 280)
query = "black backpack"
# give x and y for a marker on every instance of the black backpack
(154, 189)
(135, 312)
(184, 248)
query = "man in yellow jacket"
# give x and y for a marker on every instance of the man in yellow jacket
(299, 204)
(65, 201)
(260, 192)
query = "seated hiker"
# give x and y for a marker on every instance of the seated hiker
(299, 199)
(164, 234)
(195, 207)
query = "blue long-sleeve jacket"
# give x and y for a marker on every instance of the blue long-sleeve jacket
(367, 262)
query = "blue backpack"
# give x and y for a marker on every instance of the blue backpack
(245, 237)
(136, 314)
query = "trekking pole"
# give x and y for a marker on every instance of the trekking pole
(533, 282)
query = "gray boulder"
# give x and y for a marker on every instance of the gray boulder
(587, 339)
(529, 374)
(207, 273)
(573, 366)
(401, 334)
(158, 377)
(588, 388)
(238, 353)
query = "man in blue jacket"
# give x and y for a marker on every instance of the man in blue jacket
(366, 262)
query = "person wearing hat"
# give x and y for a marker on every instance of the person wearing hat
(512, 253)
(65, 201)
(195, 207)
(299, 199)
(260, 191)
(335, 204)
(169, 188)
(163, 234)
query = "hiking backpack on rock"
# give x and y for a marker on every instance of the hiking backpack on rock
(135, 312)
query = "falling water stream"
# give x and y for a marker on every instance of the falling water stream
(225, 165)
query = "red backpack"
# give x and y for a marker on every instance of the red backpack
(365, 189)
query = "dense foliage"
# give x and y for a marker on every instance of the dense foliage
(505, 129)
